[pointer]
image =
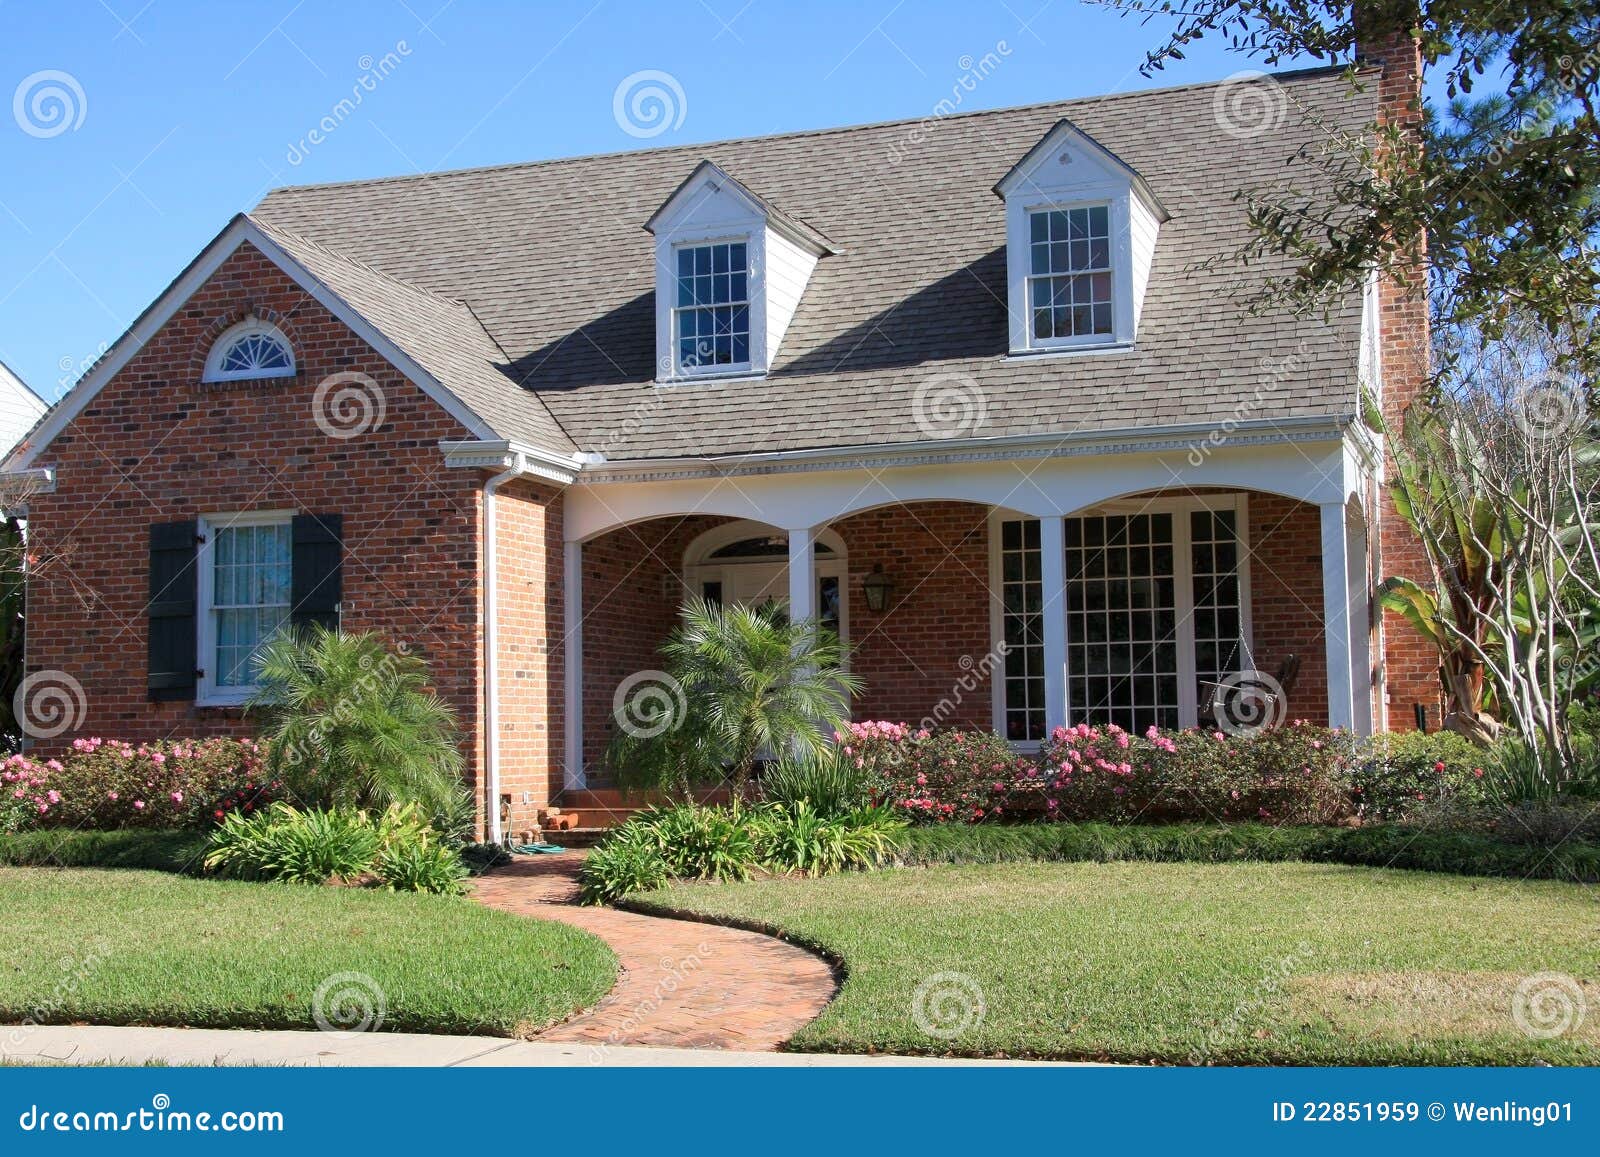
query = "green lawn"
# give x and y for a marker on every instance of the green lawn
(129, 947)
(1183, 963)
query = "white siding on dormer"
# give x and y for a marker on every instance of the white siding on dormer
(1067, 169)
(788, 267)
(20, 408)
(1142, 229)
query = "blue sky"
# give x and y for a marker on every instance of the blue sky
(182, 114)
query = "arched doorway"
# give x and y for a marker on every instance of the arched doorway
(748, 562)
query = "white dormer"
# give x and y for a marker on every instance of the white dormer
(1081, 231)
(730, 269)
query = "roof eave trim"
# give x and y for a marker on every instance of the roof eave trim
(238, 231)
(505, 454)
(1126, 440)
(1140, 185)
(791, 227)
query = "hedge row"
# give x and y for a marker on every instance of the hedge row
(1380, 846)
(152, 849)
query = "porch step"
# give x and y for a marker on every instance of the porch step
(608, 806)
(576, 837)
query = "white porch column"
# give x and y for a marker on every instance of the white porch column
(1336, 616)
(572, 637)
(802, 575)
(1053, 585)
(1360, 603)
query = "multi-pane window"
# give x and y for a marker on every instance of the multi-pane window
(1122, 621)
(1022, 628)
(711, 312)
(1154, 604)
(250, 595)
(1214, 554)
(1069, 272)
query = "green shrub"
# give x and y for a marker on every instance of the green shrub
(1382, 846)
(143, 848)
(421, 866)
(625, 862)
(479, 858)
(831, 783)
(1400, 775)
(397, 848)
(701, 843)
(301, 847)
(797, 838)
(351, 723)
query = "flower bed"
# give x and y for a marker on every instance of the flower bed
(1298, 774)
(110, 784)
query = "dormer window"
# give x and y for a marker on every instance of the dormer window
(1069, 283)
(250, 351)
(711, 318)
(731, 268)
(1081, 230)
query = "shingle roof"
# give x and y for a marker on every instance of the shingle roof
(552, 258)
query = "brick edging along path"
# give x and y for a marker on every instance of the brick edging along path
(684, 984)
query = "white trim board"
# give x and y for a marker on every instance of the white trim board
(240, 230)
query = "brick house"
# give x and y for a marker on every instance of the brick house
(985, 393)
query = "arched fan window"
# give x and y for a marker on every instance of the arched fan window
(250, 350)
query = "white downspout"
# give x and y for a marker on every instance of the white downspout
(491, 684)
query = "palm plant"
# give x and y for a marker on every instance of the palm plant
(751, 682)
(352, 723)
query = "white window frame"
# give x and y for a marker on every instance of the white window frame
(1019, 249)
(1114, 269)
(207, 691)
(730, 369)
(752, 235)
(699, 567)
(1180, 507)
(226, 340)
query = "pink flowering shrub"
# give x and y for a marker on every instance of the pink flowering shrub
(108, 783)
(1295, 774)
(936, 777)
(26, 796)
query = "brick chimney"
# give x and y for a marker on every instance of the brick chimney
(1410, 662)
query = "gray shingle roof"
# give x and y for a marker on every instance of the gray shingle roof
(553, 260)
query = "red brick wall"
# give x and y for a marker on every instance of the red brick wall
(1411, 663)
(632, 589)
(528, 640)
(157, 446)
(928, 647)
(1286, 597)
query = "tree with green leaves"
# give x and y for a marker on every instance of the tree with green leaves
(1502, 195)
(350, 722)
(739, 682)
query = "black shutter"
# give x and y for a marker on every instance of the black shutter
(318, 578)
(171, 610)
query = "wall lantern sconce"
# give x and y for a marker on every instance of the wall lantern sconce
(876, 586)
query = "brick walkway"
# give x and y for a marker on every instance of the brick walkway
(683, 984)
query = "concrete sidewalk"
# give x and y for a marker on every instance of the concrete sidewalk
(92, 1044)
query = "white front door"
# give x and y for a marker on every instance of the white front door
(751, 584)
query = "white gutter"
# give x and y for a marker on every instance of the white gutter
(491, 655)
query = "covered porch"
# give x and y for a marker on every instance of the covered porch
(965, 600)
